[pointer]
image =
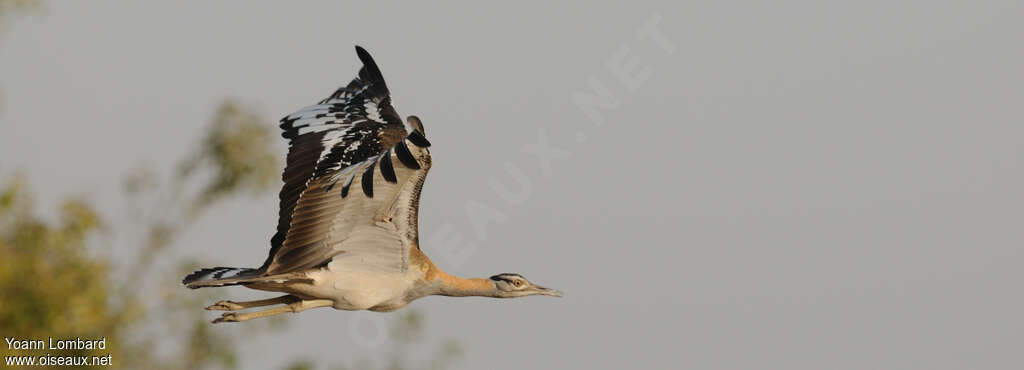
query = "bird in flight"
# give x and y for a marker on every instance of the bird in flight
(347, 233)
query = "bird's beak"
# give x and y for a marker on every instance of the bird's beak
(550, 292)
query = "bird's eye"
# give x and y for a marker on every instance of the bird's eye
(517, 283)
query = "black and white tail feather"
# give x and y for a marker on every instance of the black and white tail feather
(219, 276)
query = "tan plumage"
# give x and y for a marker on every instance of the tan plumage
(347, 236)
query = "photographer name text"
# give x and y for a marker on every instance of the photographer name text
(56, 344)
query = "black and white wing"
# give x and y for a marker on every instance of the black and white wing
(337, 142)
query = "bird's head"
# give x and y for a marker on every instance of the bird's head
(514, 285)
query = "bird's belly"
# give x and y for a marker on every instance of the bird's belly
(356, 290)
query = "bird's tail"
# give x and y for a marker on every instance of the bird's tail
(219, 276)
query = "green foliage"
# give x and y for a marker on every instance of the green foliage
(237, 150)
(12, 6)
(49, 285)
(236, 157)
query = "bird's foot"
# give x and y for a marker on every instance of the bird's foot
(225, 306)
(227, 317)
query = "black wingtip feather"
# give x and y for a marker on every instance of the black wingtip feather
(370, 67)
(386, 169)
(405, 156)
(344, 189)
(362, 52)
(368, 181)
(417, 139)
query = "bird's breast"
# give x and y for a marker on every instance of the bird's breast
(364, 290)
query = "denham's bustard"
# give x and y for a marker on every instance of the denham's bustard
(347, 235)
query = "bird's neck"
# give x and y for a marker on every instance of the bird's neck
(442, 283)
(455, 286)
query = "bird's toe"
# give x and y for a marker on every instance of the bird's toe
(227, 317)
(224, 306)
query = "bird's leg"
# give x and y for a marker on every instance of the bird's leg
(232, 305)
(291, 307)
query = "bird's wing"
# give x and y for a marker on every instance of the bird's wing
(345, 131)
(363, 216)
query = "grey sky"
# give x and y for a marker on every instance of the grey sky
(797, 186)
